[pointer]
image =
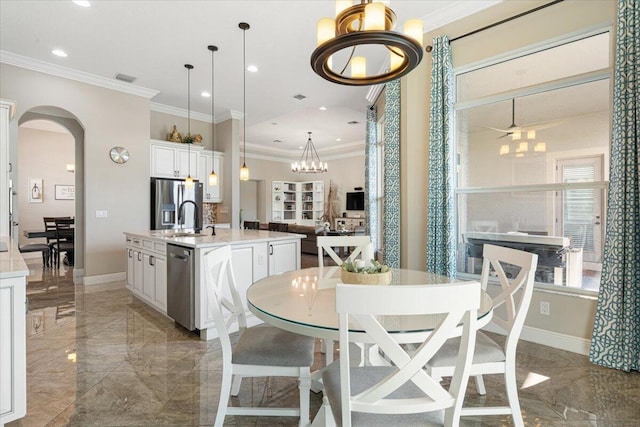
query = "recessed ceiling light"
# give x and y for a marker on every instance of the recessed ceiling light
(83, 3)
(277, 141)
(299, 97)
(59, 52)
(353, 122)
(206, 94)
(274, 123)
(323, 108)
(252, 69)
(301, 147)
(338, 139)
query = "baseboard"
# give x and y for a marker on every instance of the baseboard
(549, 338)
(103, 278)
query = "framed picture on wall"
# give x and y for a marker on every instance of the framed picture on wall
(65, 192)
(35, 190)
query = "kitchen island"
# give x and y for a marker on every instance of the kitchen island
(256, 254)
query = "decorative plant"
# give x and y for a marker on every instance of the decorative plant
(189, 139)
(359, 268)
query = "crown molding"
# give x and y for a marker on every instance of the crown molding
(454, 12)
(71, 74)
(181, 112)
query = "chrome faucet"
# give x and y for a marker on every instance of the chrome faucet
(196, 217)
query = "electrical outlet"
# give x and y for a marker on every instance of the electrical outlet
(102, 214)
(545, 308)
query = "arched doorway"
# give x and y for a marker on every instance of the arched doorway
(50, 144)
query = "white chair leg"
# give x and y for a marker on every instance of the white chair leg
(512, 395)
(328, 350)
(235, 386)
(480, 385)
(304, 387)
(225, 389)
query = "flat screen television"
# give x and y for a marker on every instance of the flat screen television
(355, 201)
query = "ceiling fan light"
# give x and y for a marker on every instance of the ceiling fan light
(516, 135)
(374, 19)
(523, 147)
(414, 29)
(326, 30)
(358, 67)
(531, 134)
(540, 147)
(504, 149)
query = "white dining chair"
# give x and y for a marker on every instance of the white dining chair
(401, 394)
(328, 244)
(490, 357)
(261, 351)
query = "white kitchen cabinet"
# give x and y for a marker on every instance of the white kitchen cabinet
(13, 369)
(284, 256)
(147, 271)
(211, 160)
(173, 160)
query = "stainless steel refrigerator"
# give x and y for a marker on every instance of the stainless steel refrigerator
(166, 197)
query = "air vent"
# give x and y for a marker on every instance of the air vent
(125, 78)
(299, 97)
(276, 141)
(353, 122)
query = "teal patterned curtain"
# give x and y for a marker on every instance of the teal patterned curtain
(441, 238)
(371, 175)
(616, 331)
(391, 230)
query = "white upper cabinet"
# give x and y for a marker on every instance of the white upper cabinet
(211, 160)
(173, 160)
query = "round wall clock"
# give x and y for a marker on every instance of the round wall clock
(119, 154)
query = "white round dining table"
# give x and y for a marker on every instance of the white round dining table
(304, 302)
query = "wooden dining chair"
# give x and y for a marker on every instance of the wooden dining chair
(490, 357)
(251, 225)
(261, 351)
(278, 226)
(50, 225)
(64, 241)
(401, 393)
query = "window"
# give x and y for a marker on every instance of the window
(532, 136)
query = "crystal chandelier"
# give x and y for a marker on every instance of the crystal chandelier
(309, 161)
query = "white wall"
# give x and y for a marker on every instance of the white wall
(43, 155)
(109, 118)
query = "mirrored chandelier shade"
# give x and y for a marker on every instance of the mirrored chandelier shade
(244, 170)
(367, 22)
(188, 182)
(213, 178)
(309, 161)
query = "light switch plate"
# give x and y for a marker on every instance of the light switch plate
(102, 214)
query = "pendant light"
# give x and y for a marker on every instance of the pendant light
(244, 170)
(213, 178)
(189, 181)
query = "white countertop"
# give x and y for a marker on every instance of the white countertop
(224, 236)
(11, 262)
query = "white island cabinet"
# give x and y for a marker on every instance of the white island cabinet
(256, 254)
(13, 370)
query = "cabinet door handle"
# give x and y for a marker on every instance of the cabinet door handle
(130, 253)
(152, 260)
(270, 249)
(139, 256)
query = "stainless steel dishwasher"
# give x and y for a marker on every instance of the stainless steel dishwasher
(180, 285)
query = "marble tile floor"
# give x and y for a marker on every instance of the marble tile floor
(97, 356)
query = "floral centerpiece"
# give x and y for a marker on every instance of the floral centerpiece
(360, 272)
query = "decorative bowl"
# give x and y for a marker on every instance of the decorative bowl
(365, 279)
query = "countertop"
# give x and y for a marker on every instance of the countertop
(224, 236)
(11, 262)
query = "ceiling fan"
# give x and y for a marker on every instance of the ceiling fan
(516, 132)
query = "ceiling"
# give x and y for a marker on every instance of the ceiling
(152, 40)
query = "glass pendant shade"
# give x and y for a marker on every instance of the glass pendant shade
(188, 182)
(213, 178)
(244, 173)
(516, 136)
(358, 67)
(414, 29)
(374, 16)
(326, 30)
